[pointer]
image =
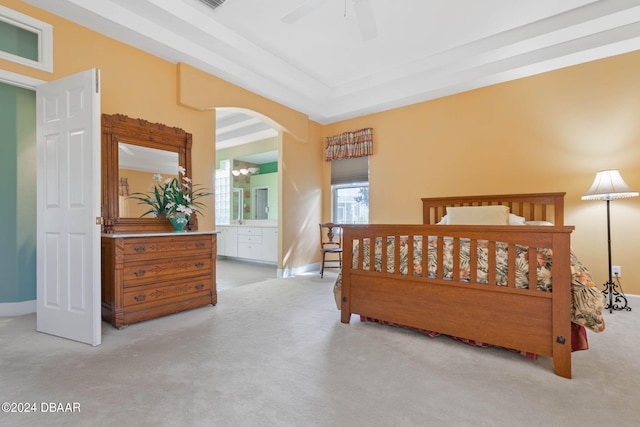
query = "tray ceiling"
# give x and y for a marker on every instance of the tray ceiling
(321, 65)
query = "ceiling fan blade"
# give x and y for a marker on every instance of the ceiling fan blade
(297, 13)
(366, 20)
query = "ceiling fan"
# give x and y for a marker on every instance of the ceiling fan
(363, 13)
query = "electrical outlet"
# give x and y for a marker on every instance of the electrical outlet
(616, 271)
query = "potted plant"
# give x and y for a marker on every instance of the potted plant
(174, 198)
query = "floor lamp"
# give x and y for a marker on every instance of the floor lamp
(609, 185)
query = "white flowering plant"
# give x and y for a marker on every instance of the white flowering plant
(177, 194)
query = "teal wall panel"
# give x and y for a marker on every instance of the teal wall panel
(18, 192)
(26, 185)
(18, 41)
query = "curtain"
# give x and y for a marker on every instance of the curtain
(124, 187)
(123, 193)
(349, 144)
(349, 171)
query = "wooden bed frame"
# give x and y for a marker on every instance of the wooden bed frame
(522, 319)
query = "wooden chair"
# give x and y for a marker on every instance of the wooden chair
(330, 243)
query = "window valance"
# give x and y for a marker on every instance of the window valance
(349, 144)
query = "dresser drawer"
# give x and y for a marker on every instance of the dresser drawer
(138, 272)
(166, 246)
(159, 291)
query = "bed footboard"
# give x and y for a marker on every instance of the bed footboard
(475, 282)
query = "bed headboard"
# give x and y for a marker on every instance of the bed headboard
(534, 206)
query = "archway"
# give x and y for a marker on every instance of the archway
(248, 186)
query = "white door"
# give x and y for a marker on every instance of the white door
(68, 238)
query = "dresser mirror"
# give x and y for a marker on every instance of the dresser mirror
(133, 151)
(139, 169)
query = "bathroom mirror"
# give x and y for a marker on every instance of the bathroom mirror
(260, 202)
(237, 205)
(148, 147)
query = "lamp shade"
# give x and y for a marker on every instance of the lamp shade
(609, 185)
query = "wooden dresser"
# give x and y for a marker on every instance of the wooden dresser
(154, 274)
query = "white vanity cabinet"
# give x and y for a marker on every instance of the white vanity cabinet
(228, 241)
(249, 242)
(270, 244)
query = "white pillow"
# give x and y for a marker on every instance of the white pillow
(516, 220)
(444, 220)
(478, 215)
(513, 220)
(538, 223)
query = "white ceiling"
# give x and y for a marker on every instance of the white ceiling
(321, 66)
(235, 127)
(139, 158)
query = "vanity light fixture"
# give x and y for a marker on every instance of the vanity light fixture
(245, 171)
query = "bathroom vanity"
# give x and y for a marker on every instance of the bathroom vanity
(251, 241)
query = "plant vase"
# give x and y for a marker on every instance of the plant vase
(179, 220)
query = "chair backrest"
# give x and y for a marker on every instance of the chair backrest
(330, 235)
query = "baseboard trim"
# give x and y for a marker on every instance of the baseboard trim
(10, 309)
(300, 270)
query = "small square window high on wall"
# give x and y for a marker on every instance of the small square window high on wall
(25, 40)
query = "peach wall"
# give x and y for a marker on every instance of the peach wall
(300, 211)
(141, 85)
(299, 160)
(133, 83)
(200, 90)
(550, 132)
(139, 182)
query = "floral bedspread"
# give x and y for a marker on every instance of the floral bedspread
(587, 302)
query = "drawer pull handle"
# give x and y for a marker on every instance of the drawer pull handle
(140, 297)
(140, 249)
(200, 245)
(200, 286)
(199, 265)
(140, 273)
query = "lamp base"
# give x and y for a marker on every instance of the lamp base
(615, 298)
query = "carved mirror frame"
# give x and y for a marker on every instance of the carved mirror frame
(120, 128)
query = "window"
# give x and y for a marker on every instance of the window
(350, 190)
(351, 203)
(223, 193)
(25, 40)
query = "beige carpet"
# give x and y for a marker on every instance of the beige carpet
(274, 353)
(232, 273)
